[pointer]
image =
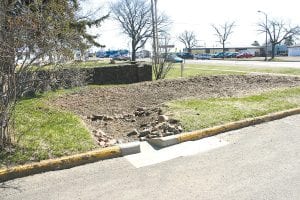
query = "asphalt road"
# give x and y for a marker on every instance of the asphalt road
(288, 62)
(250, 63)
(258, 162)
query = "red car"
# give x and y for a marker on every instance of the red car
(244, 55)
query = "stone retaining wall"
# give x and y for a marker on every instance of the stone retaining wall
(44, 80)
(124, 74)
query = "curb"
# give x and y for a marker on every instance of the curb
(195, 135)
(133, 147)
(69, 161)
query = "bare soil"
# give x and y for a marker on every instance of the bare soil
(112, 113)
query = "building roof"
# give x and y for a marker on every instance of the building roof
(294, 46)
(252, 47)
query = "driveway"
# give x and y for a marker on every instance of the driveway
(258, 162)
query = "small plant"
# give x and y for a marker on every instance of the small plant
(162, 68)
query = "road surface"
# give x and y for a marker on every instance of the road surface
(246, 63)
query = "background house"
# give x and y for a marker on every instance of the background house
(294, 50)
(257, 51)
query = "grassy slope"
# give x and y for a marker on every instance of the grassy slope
(85, 64)
(197, 114)
(279, 70)
(175, 72)
(44, 132)
(203, 70)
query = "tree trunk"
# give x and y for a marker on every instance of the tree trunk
(273, 51)
(223, 47)
(8, 97)
(4, 119)
(7, 78)
(133, 53)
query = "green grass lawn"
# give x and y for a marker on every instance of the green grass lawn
(198, 114)
(80, 64)
(95, 63)
(245, 69)
(88, 64)
(206, 70)
(85, 64)
(191, 70)
(43, 132)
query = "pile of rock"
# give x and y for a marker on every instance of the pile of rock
(128, 117)
(96, 117)
(162, 127)
(150, 123)
(140, 112)
(104, 140)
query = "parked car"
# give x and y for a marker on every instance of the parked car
(244, 55)
(185, 55)
(231, 54)
(120, 57)
(124, 57)
(100, 54)
(173, 58)
(202, 56)
(219, 55)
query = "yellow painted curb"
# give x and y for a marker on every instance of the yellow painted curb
(59, 163)
(115, 151)
(195, 135)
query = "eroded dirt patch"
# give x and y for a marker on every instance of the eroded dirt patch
(123, 113)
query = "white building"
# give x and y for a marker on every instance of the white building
(294, 50)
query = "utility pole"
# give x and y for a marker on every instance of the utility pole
(153, 35)
(266, 47)
(156, 29)
(155, 56)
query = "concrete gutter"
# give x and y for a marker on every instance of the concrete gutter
(69, 161)
(195, 135)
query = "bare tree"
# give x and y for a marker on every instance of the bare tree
(188, 38)
(278, 31)
(155, 50)
(289, 41)
(160, 42)
(223, 32)
(29, 30)
(164, 43)
(164, 64)
(135, 19)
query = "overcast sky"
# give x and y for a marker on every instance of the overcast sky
(198, 16)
